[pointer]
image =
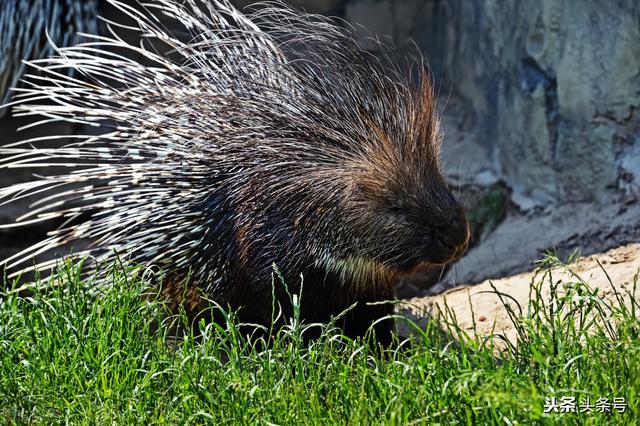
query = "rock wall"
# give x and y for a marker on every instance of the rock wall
(552, 88)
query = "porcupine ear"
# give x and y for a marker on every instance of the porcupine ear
(109, 91)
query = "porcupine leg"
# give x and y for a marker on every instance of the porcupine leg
(324, 297)
(364, 316)
(251, 307)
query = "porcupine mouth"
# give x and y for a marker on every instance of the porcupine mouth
(410, 269)
(405, 266)
(358, 266)
(437, 257)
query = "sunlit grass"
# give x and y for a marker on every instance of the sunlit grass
(77, 353)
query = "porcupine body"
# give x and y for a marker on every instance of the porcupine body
(25, 27)
(272, 139)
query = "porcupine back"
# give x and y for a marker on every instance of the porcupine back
(266, 139)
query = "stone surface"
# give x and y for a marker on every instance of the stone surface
(521, 238)
(547, 86)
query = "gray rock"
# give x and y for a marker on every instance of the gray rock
(547, 85)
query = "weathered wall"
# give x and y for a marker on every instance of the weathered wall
(553, 89)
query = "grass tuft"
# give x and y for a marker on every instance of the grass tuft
(75, 352)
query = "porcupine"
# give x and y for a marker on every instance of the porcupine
(265, 139)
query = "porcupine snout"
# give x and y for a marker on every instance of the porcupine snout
(444, 232)
(451, 236)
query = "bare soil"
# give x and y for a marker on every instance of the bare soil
(614, 270)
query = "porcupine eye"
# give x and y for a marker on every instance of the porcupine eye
(397, 208)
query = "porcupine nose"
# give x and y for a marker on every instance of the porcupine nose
(451, 236)
(454, 232)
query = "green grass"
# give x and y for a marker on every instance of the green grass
(80, 355)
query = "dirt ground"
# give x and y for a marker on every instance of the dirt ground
(480, 304)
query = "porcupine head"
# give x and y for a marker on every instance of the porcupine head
(262, 139)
